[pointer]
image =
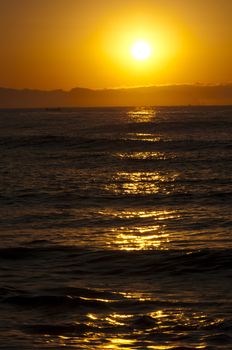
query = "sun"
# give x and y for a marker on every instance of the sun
(141, 50)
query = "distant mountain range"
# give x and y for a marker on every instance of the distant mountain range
(139, 96)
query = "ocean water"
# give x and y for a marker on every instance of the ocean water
(115, 229)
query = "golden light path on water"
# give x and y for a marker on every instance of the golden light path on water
(140, 183)
(148, 137)
(140, 236)
(157, 322)
(141, 114)
(150, 235)
(142, 155)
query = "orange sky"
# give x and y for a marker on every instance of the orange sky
(67, 43)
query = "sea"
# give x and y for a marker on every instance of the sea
(116, 228)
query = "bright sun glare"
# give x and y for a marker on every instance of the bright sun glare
(141, 50)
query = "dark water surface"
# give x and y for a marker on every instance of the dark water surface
(115, 228)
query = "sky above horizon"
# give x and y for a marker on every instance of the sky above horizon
(66, 43)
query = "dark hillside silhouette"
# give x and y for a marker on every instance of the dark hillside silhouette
(140, 96)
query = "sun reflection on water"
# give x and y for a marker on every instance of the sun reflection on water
(115, 330)
(142, 155)
(117, 343)
(142, 114)
(148, 137)
(158, 214)
(140, 183)
(140, 242)
(137, 322)
(142, 229)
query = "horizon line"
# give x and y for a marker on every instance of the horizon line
(203, 84)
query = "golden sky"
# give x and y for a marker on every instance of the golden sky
(52, 44)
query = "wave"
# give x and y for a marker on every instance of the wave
(124, 263)
(94, 197)
(101, 315)
(112, 143)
